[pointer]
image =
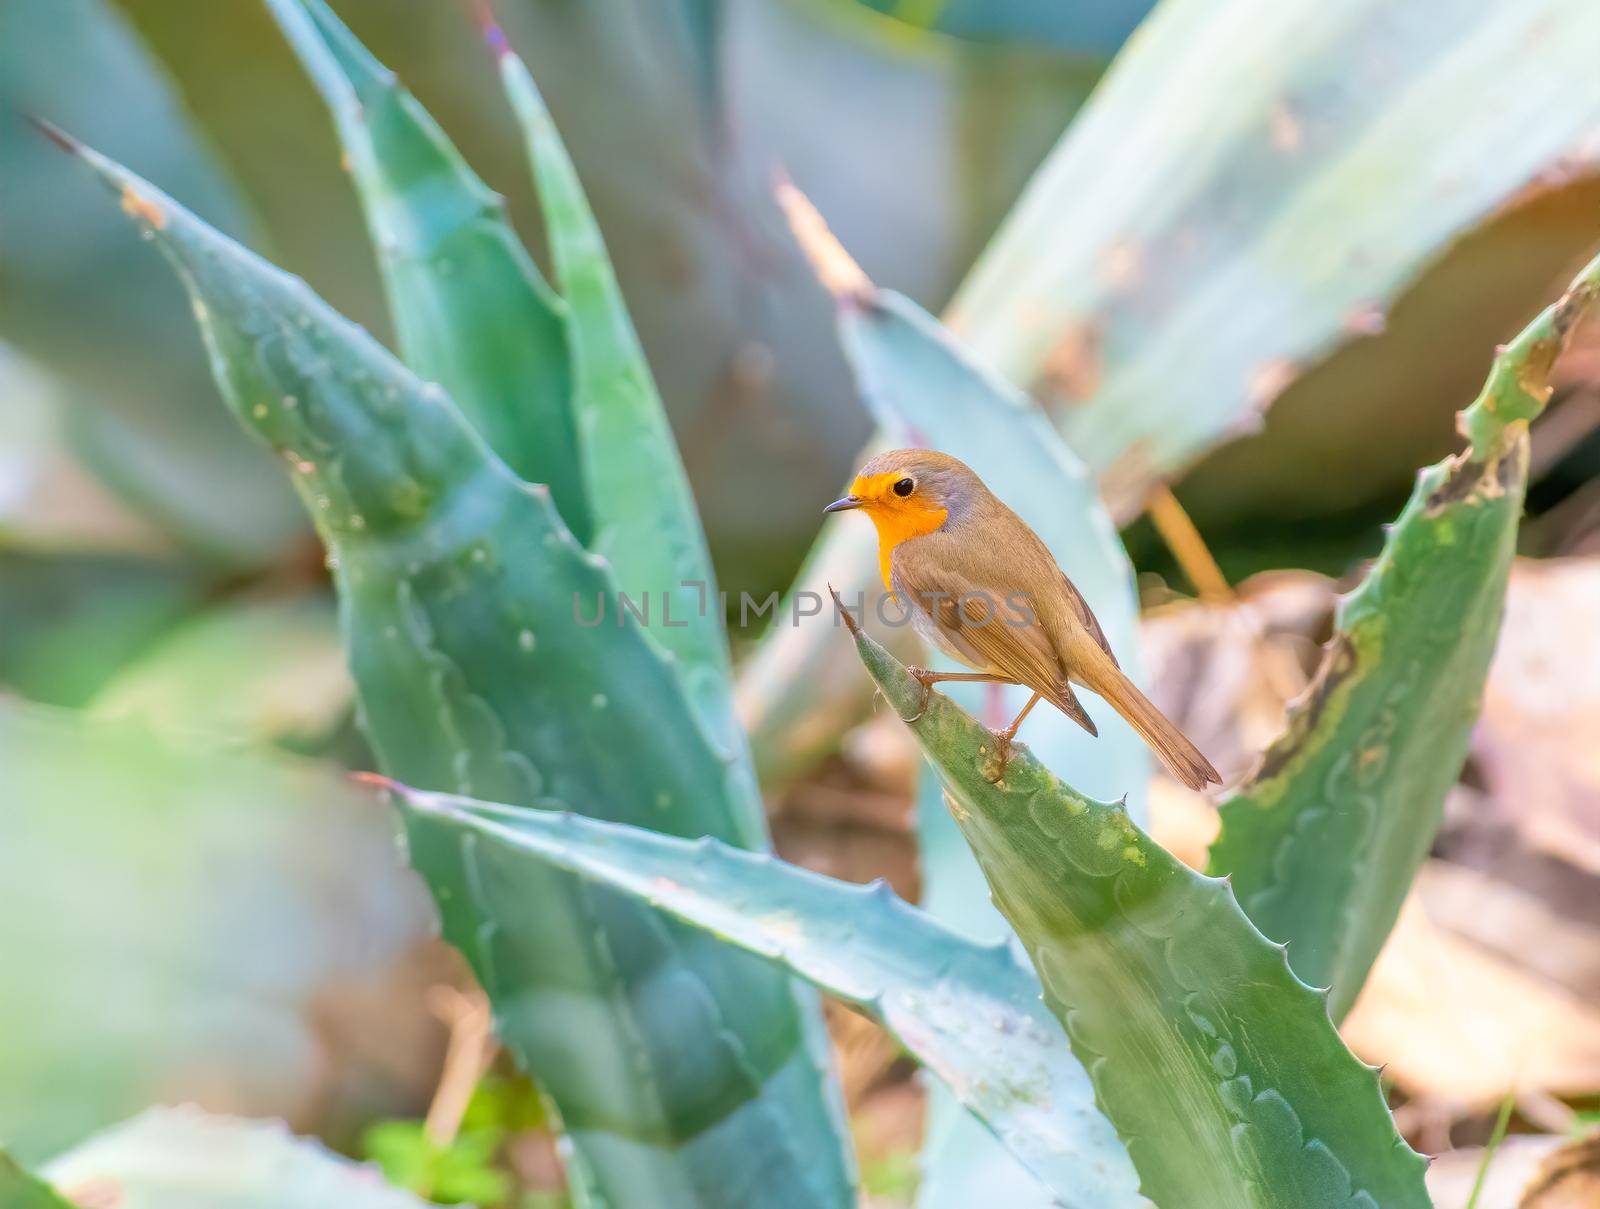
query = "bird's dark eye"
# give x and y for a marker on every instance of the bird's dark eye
(904, 487)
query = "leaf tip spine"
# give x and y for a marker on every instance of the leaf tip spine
(377, 780)
(850, 622)
(54, 133)
(489, 26)
(840, 275)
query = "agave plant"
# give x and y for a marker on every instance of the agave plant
(583, 804)
(471, 671)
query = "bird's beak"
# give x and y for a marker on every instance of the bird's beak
(845, 504)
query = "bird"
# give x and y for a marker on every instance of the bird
(982, 586)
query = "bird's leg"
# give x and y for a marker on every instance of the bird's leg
(928, 679)
(1003, 737)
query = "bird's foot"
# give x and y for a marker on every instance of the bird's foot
(998, 758)
(927, 679)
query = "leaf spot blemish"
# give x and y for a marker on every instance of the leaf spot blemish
(1074, 366)
(1270, 379)
(1367, 319)
(1286, 132)
(1122, 266)
(783, 928)
(101, 1192)
(138, 206)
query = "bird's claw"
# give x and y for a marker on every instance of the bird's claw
(1002, 754)
(927, 679)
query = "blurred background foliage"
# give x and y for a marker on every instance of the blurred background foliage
(166, 624)
(933, 118)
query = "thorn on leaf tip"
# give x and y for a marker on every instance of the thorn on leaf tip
(54, 133)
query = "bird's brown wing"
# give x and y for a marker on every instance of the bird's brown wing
(989, 630)
(1081, 610)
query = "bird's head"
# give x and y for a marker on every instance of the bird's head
(909, 492)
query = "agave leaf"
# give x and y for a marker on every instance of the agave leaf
(130, 869)
(1323, 840)
(969, 1012)
(462, 595)
(183, 1158)
(645, 521)
(961, 1162)
(1218, 1067)
(470, 308)
(84, 302)
(1155, 274)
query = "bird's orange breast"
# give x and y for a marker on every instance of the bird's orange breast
(901, 522)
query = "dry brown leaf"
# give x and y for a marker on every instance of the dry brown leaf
(1453, 1022)
(1224, 673)
(1568, 1178)
(1528, 925)
(1537, 745)
(1514, 1166)
(1182, 821)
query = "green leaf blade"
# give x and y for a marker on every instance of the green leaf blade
(970, 1012)
(471, 309)
(645, 520)
(460, 593)
(1323, 841)
(1219, 1068)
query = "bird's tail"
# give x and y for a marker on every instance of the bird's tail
(1182, 758)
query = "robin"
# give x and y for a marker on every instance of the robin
(983, 588)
